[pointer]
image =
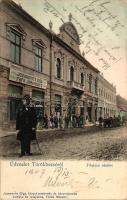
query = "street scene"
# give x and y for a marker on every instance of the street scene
(90, 143)
(60, 94)
(63, 99)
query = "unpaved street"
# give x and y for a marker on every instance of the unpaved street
(106, 144)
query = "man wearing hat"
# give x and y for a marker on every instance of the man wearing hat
(26, 122)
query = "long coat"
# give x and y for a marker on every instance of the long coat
(25, 121)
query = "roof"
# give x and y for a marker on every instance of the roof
(74, 35)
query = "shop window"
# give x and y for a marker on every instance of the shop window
(38, 98)
(71, 74)
(14, 106)
(58, 68)
(15, 47)
(15, 97)
(57, 103)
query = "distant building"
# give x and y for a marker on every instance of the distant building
(121, 105)
(49, 67)
(106, 98)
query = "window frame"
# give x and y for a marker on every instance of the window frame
(15, 46)
(39, 57)
(58, 109)
(14, 99)
(71, 74)
(96, 86)
(82, 78)
(90, 82)
(58, 64)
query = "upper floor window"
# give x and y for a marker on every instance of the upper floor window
(71, 74)
(96, 86)
(15, 39)
(38, 58)
(39, 50)
(58, 68)
(82, 79)
(17, 36)
(90, 82)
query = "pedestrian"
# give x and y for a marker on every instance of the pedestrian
(66, 121)
(100, 121)
(52, 120)
(45, 121)
(49, 122)
(61, 122)
(56, 121)
(26, 122)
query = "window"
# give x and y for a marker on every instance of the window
(71, 74)
(95, 86)
(38, 58)
(57, 103)
(39, 49)
(82, 79)
(15, 47)
(15, 97)
(58, 68)
(89, 82)
(14, 105)
(38, 97)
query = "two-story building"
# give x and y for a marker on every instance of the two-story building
(24, 61)
(106, 98)
(74, 79)
(48, 66)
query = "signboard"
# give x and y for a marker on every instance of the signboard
(27, 79)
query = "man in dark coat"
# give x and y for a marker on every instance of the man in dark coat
(26, 122)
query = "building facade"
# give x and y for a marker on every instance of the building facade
(49, 67)
(121, 106)
(24, 61)
(106, 98)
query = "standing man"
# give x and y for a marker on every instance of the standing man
(26, 122)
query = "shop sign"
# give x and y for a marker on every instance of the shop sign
(27, 79)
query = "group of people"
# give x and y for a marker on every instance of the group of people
(60, 121)
(27, 121)
(112, 121)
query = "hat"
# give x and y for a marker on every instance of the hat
(26, 97)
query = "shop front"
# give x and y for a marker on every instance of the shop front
(19, 84)
(38, 98)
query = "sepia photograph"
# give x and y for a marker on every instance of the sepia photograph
(63, 99)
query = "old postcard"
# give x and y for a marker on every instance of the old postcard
(63, 99)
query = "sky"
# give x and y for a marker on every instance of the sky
(102, 27)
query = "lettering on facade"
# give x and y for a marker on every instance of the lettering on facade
(27, 79)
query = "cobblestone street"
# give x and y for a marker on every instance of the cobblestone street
(105, 144)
